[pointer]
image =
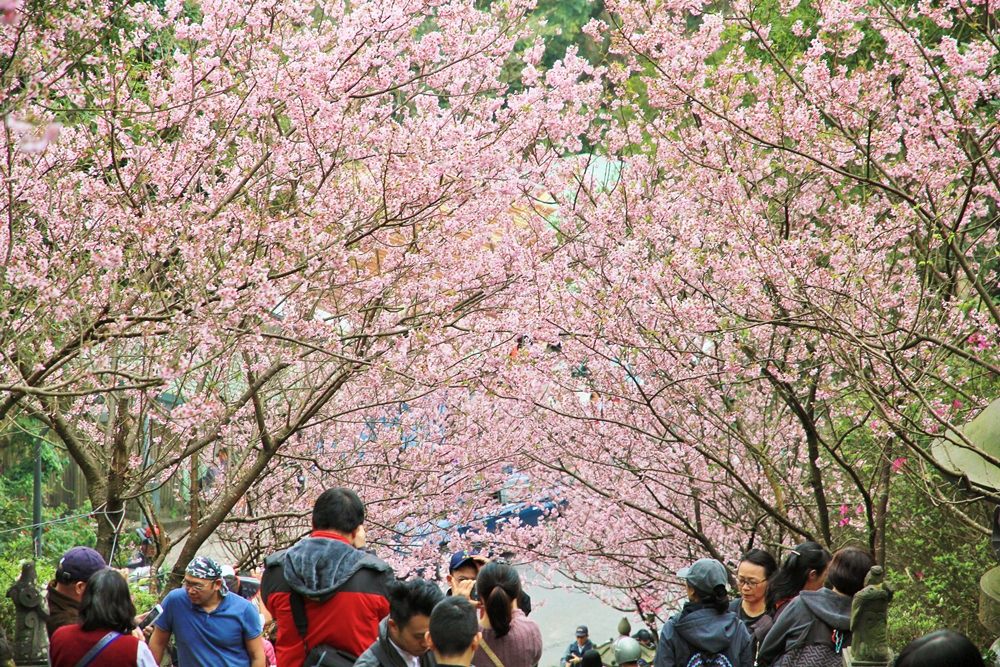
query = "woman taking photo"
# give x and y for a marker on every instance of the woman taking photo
(816, 625)
(509, 638)
(804, 569)
(705, 625)
(103, 637)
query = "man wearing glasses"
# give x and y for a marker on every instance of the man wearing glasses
(213, 628)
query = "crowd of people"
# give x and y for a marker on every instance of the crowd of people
(331, 603)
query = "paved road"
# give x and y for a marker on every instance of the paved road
(558, 611)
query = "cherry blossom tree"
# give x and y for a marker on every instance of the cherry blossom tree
(247, 226)
(747, 321)
(772, 290)
(721, 289)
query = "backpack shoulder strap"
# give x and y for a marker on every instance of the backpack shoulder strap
(383, 659)
(105, 641)
(299, 615)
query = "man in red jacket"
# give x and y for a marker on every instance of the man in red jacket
(340, 591)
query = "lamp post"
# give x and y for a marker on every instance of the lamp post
(37, 513)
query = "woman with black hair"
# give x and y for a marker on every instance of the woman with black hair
(943, 648)
(804, 569)
(755, 569)
(816, 625)
(103, 637)
(591, 658)
(705, 631)
(509, 638)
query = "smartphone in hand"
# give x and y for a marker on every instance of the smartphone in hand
(150, 616)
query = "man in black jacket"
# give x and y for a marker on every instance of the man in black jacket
(403, 635)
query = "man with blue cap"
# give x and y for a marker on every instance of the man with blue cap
(463, 568)
(66, 591)
(213, 628)
(576, 649)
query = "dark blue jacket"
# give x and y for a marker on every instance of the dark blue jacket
(698, 628)
(576, 651)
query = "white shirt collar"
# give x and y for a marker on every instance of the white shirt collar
(408, 658)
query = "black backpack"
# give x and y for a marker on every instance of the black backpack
(702, 659)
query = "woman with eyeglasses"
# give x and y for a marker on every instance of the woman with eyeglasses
(752, 575)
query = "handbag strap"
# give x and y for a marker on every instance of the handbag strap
(89, 656)
(490, 654)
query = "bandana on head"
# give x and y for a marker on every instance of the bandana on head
(203, 567)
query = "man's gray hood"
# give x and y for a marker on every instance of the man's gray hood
(317, 566)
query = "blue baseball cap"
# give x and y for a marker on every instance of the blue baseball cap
(78, 564)
(462, 558)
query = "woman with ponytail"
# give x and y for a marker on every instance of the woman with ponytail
(804, 569)
(705, 632)
(816, 625)
(509, 638)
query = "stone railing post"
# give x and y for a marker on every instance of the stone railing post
(31, 641)
(869, 620)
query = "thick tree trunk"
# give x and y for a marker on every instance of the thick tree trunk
(112, 520)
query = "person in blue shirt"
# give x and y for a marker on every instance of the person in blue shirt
(213, 628)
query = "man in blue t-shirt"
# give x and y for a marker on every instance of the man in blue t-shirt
(213, 629)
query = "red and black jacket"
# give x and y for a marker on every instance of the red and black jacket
(345, 594)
